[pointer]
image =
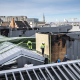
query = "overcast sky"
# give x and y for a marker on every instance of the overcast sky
(52, 9)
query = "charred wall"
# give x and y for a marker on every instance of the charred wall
(58, 46)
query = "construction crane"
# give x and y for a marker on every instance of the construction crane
(73, 19)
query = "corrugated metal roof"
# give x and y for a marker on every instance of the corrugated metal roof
(11, 51)
(57, 71)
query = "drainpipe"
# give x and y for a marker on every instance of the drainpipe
(50, 48)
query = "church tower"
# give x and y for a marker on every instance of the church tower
(43, 18)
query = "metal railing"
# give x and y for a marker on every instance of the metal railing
(44, 72)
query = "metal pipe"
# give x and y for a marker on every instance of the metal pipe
(50, 48)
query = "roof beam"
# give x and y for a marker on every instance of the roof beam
(63, 73)
(78, 69)
(43, 74)
(6, 76)
(79, 64)
(35, 74)
(56, 73)
(74, 71)
(29, 75)
(13, 76)
(21, 75)
(49, 73)
(68, 72)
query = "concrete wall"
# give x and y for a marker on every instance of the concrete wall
(42, 38)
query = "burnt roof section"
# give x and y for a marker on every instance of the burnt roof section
(26, 23)
(20, 24)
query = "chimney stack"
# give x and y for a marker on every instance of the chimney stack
(12, 24)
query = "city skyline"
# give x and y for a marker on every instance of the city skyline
(54, 10)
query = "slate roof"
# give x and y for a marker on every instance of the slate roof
(56, 71)
(9, 51)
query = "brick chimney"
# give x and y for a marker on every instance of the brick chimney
(12, 24)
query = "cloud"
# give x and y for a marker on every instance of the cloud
(38, 7)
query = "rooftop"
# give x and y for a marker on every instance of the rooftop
(56, 71)
(10, 51)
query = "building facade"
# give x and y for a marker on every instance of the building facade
(32, 21)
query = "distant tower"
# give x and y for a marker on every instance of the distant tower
(43, 18)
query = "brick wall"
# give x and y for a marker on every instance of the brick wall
(58, 49)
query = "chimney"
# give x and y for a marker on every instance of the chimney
(12, 24)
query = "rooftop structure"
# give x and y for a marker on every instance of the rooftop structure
(32, 21)
(10, 52)
(56, 71)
